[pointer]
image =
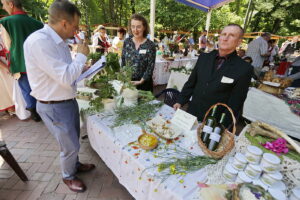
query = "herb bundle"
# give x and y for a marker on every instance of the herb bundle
(137, 114)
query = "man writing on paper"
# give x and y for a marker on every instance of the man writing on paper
(219, 76)
(51, 74)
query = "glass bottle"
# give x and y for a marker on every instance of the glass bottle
(208, 127)
(215, 136)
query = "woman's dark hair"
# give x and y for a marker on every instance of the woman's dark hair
(139, 17)
(122, 31)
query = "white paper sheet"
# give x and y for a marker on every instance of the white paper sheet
(93, 69)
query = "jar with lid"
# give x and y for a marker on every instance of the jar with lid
(253, 171)
(243, 178)
(230, 173)
(253, 154)
(270, 163)
(239, 161)
(270, 179)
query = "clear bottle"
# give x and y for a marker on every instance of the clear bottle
(215, 136)
(208, 128)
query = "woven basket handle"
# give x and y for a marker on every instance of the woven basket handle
(229, 109)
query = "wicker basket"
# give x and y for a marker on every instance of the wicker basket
(227, 139)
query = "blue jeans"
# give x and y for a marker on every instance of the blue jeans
(62, 120)
(26, 89)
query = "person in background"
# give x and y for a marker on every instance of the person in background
(19, 26)
(241, 53)
(191, 40)
(258, 51)
(219, 76)
(295, 72)
(52, 80)
(139, 52)
(248, 59)
(291, 47)
(101, 42)
(118, 41)
(273, 49)
(6, 83)
(203, 41)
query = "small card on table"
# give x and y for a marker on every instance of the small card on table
(184, 120)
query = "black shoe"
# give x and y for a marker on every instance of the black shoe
(34, 115)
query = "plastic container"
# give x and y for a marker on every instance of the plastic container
(270, 163)
(239, 162)
(253, 154)
(277, 194)
(230, 173)
(243, 178)
(270, 179)
(260, 183)
(279, 185)
(253, 171)
(295, 194)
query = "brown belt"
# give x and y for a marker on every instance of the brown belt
(54, 102)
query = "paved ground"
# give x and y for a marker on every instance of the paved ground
(37, 152)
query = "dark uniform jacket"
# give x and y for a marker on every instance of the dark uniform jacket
(207, 85)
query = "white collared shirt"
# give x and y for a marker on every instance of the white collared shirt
(50, 69)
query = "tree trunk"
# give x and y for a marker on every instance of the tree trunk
(132, 3)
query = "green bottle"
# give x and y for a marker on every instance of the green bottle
(215, 136)
(208, 128)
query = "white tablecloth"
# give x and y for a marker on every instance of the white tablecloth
(177, 80)
(128, 161)
(161, 71)
(261, 106)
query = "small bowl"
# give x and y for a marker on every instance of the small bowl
(147, 141)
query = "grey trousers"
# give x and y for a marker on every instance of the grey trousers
(62, 120)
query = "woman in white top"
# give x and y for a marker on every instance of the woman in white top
(118, 41)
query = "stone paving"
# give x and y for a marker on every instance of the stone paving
(37, 152)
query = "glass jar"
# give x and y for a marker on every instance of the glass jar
(239, 162)
(260, 183)
(230, 173)
(270, 163)
(253, 154)
(243, 178)
(270, 179)
(253, 171)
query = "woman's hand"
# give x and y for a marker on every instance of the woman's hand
(138, 82)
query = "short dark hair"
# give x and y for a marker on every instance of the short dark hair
(17, 3)
(121, 30)
(62, 9)
(266, 34)
(139, 17)
(241, 29)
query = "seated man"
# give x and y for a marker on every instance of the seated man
(219, 76)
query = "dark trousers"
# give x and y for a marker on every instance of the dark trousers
(26, 89)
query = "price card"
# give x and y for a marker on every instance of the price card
(184, 120)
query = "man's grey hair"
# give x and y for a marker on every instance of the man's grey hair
(17, 3)
(62, 9)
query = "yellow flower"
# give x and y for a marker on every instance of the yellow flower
(181, 181)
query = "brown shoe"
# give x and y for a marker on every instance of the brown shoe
(76, 185)
(85, 167)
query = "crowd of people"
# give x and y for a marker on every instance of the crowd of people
(37, 70)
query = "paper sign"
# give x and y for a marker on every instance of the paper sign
(93, 69)
(184, 120)
(226, 80)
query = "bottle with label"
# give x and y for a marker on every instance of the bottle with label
(208, 127)
(215, 136)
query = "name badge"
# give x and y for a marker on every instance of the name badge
(226, 80)
(143, 51)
